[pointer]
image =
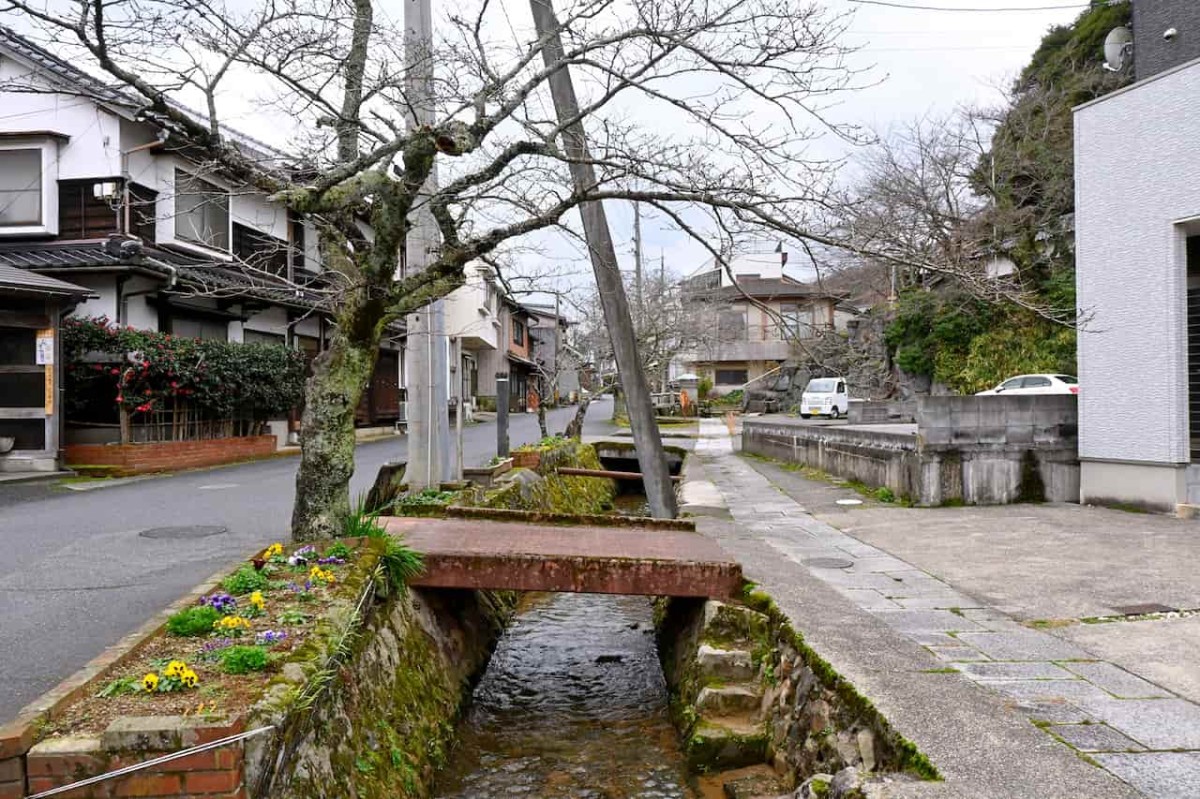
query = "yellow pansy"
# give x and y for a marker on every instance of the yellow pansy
(274, 550)
(189, 678)
(174, 668)
(257, 601)
(150, 682)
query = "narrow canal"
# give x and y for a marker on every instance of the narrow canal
(572, 706)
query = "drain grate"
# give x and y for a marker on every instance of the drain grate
(188, 531)
(1143, 609)
(829, 563)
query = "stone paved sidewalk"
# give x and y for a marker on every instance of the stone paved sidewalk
(1137, 730)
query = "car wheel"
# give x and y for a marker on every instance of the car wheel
(806, 416)
(835, 414)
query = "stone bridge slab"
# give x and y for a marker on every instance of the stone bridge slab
(467, 553)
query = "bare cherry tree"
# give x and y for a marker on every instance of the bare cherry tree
(701, 109)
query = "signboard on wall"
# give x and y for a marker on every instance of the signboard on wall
(50, 392)
(45, 347)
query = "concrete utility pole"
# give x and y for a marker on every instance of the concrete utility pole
(651, 456)
(639, 288)
(429, 461)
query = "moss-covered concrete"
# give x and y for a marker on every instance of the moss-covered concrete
(546, 491)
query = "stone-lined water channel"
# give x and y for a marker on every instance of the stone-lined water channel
(572, 706)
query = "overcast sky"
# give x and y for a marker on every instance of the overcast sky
(921, 62)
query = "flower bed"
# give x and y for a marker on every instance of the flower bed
(214, 658)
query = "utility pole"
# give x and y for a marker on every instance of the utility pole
(651, 457)
(429, 460)
(637, 261)
(557, 364)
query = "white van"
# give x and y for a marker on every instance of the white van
(825, 396)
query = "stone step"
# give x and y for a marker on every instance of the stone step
(726, 743)
(729, 700)
(755, 782)
(729, 626)
(730, 665)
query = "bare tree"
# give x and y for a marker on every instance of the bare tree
(361, 168)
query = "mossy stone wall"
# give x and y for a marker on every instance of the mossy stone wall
(383, 718)
(809, 720)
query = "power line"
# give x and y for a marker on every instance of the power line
(911, 7)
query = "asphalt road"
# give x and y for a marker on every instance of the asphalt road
(75, 575)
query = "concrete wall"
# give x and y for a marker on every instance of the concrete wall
(978, 450)
(876, 458)
(882, 411)
(1135, 207)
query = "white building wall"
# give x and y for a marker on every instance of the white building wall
(1137, 181)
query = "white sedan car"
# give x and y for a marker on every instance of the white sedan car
(1035, 384)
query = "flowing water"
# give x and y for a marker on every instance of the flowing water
(572, 706)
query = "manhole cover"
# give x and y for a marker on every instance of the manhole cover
(849, 502)
(829, 563)
(1143, 609)
(191, 531)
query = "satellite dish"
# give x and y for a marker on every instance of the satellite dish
(1117, 47)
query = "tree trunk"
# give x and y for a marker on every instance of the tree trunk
(340, 374)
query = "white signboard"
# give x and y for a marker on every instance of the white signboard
(45, 347)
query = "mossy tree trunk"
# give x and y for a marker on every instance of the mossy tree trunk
(327, 441)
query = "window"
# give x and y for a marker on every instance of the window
(1009, 385)
(296, 234)
(259, 251)
(260, 337)
(204, 327)
(20, 187)
(732, 377)
(821, 386)
(793, 320)
(1036, 382)
(201, 212)
(518, 332)
(143, 212)
(86, 210)
(731, 325)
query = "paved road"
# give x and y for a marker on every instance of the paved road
(75, 575)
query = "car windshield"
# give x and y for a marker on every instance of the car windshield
(1070, 381)
(821, 386)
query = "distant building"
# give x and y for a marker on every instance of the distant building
(558, 362)
(1137, 220)
(748, 323)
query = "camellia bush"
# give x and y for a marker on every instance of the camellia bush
(122, 372)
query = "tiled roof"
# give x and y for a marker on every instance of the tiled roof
(214, 278)
(76, 81)
(768, 289)
(21, 280)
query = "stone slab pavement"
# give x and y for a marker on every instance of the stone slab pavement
(991, 593)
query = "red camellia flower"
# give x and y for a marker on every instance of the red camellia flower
(116, 371)
(98, 367)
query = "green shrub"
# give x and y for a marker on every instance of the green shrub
(339, 550)
(245, 580)
(192, 622)
(244, 659)
(884, 494)
(704, 387)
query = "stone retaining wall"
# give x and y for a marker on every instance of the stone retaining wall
(796, 713)
(170, 455)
